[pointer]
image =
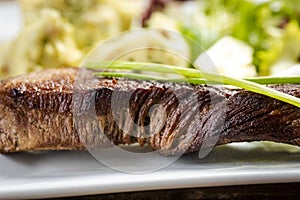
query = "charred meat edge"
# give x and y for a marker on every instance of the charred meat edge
(48, 111)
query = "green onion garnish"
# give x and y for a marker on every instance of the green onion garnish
(199, 77)
(150, 67)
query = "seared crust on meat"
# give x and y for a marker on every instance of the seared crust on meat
(48, 110)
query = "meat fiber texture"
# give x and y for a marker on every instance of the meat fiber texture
(57, 109)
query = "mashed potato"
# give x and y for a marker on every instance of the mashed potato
(60, 33)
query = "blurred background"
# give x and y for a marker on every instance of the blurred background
(243, 38)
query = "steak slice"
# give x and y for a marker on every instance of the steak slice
(50, 110)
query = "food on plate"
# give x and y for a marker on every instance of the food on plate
(270, 28)
(61, 33)
(242, 38)
(39, 112)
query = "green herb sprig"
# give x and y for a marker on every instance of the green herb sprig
(194, 76)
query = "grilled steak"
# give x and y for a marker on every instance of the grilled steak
(45, 111)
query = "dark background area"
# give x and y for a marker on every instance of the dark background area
(264, 191)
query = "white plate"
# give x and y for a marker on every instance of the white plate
(56, 174)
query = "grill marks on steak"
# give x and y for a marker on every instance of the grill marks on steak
(262, 117)
(37, 113)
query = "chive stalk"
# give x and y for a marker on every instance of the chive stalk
(195, 76)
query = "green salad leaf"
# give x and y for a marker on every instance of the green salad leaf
(270, 27)
(284, 50)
